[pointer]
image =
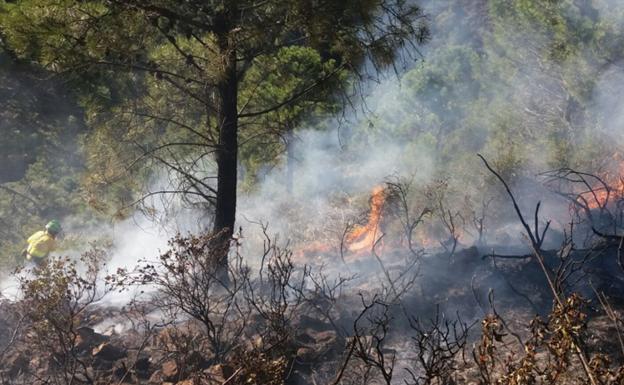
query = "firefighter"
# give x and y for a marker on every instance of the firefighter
(42, 243)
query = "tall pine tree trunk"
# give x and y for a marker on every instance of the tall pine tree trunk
(227, 149)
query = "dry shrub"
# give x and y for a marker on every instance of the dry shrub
(241, 318)
(190, 282)
(551, 354)
(57, 295)
(259, 369)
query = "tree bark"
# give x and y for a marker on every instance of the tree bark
(227, 148)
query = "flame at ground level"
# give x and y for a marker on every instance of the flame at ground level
(363, 238)
(360, 238)
(599, 195)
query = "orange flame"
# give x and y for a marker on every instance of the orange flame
(427, 241)
(600, 197)
(364, 237)
(360, 238)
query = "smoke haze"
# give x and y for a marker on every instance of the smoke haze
(417, 125)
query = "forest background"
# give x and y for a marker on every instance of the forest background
(533, 85)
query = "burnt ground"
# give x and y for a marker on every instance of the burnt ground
(467, 287)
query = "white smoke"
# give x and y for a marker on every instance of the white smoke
(337, 167)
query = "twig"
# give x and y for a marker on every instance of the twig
(232, 376)
(535, 245)
(345, 363)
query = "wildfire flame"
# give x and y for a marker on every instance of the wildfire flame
(599, 196)
(363, 238)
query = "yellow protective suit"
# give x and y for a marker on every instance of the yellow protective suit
(40, 244)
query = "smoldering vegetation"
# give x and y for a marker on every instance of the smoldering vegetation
(396, 314)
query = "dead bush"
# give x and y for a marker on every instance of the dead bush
(56, 296)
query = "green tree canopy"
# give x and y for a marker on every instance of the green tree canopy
(173, 82)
